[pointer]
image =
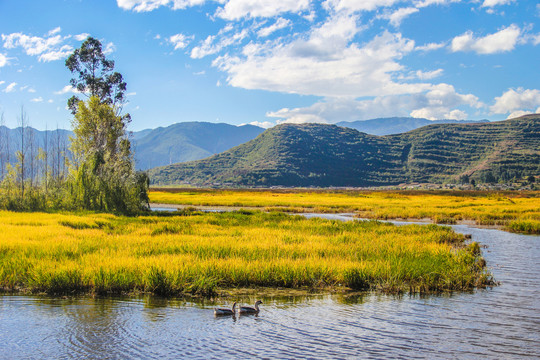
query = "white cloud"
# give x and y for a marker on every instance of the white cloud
(501, 41)
(3, 60)
(2, 82)
(262, 124)
(430, 46)
(53, 55)
(131, 94)
(150, 5)
(428, 75)
(355, 5)
(38, 99)
(31, 90)
(215, 43)
(492, 3)
(67, 89)
(280, 23)
(10, 87)
(109, 48)
(48, 48)
(325, 62)
(396, 17)
(514, 100)
(56, 30)
(238, 9)
(180, 41)
(81, 37)
(518, 113)
(441, 102)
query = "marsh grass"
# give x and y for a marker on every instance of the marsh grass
(199, 254)
(520, 209)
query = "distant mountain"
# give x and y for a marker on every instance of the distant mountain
(52, 140)
(397, 125)
(329, 155)
(188, 141)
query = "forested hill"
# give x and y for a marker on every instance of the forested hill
(329, 155)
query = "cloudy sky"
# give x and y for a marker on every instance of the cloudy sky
(270, 61)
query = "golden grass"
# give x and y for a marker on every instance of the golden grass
(484, 208)
(199, 253)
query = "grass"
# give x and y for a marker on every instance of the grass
(508, 209)
(200, 254)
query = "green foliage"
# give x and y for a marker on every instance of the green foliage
(95, 75)
(104, 178)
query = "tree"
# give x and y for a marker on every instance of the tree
(102, 166)
(95, 76)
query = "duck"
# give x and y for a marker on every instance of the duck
(223, 311)
(249, 309)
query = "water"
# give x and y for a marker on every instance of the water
(498, 323)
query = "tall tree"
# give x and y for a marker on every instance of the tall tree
(95, 76)
(103, 162)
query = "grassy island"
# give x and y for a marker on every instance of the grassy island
(201, 253)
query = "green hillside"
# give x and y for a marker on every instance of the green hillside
(329, 155)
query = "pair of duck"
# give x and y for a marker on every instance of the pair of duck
(241, 310)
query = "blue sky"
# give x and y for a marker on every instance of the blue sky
(266, 62)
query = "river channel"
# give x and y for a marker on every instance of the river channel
(497, 323)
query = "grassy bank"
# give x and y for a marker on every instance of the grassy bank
(200, 253)
(516, 211)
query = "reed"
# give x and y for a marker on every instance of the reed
(446, 207)
(196, 253)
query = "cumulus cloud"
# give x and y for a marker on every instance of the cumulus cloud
(3, 60)
(48, 48)
(10, 87)
(516, 100)
(492, 3)
(67, 89)
(428, 75)
(81, 37)
(440, 102)
(215, 43)
(150, 5)
(326, 62)
(262, 124)
(355, 6)
(430, 47)
(280, 23)
(396, 17)
(180, 41)
(38, 99)
(501, 41)
(238, 9)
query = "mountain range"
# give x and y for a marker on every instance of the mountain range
(329, 155)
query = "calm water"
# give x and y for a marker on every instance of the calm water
(499, 323)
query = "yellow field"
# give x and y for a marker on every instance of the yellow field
(199, 253)
(517, 211)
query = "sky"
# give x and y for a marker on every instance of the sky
(266, 62)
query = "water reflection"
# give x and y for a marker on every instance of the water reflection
(502, 322)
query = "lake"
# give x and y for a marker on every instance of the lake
(501, 322)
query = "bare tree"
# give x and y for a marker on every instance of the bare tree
(22, 151)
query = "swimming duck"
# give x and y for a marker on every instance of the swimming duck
(222, 311)
(249, 309)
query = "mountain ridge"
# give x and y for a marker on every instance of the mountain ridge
(329, 155)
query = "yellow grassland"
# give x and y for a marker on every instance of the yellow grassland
(515, 211)
(200, 253)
